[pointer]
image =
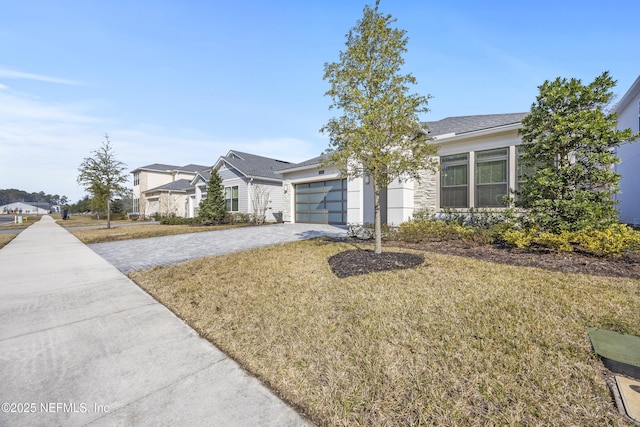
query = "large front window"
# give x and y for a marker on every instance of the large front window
(231, 198)
(492, 175)
(454, 181)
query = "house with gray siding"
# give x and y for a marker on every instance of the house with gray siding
(478, 157)
(251, 182)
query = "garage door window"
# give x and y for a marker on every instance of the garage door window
(322, 202)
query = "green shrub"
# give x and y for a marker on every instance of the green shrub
(518, 238)
(178, 220)
(614, 240)
(424, 231)
(237, 218)
(423, 214)
(559, 241)
(118, 216)
(366, 231)
(453, 216)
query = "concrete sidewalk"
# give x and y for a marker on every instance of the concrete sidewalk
(80, 344)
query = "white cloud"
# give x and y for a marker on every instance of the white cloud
(13, 74)
(14, 107)
(42, 145)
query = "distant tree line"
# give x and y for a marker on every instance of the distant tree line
(13, 195)
(87, 204)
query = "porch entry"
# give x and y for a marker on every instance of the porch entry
(323, 202)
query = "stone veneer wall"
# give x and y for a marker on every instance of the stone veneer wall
(424, 196)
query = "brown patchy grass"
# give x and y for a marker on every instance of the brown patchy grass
(87, 221)
(101, 235)
(27, 221)
(5, 238)
(454, 341)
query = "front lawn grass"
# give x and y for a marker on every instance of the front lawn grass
(101, 235)
(455, 341)
(5, 238)
(87, 221)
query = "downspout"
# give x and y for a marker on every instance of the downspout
(249, 196)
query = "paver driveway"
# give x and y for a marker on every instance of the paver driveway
(141, 254)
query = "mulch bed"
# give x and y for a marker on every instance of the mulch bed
(354, 262)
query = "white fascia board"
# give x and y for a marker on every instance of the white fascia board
(479, 133)
(300, 168)
(628, 96)
(261, 178)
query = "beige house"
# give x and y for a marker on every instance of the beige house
(250, 183)
(162, 189)
(478, 156)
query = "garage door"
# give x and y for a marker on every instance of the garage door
(322, 202)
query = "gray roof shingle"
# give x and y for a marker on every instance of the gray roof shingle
(311, 162)
(458, 125)
(255, 166)
(168, 168)
(177, 185)
(193, 168)
(465, 124)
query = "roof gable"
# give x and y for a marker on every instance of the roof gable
(202, 176)
(253, 166)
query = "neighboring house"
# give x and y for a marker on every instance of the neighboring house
(628, 109)
(24, 208)
(162, 189)
(479, 164)
(197, 192)
(249, 183)
(168, 199)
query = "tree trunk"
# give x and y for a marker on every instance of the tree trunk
(109, 211)
(377, 229)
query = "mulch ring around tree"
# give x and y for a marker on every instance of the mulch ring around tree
(355, 262)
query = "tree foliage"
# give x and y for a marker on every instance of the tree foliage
(569, 138)
(379, 132)
(213, 209)
(11, 195)
(103, 176)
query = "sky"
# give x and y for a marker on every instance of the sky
(180, 82)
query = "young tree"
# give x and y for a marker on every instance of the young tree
(260, 202)
(569, 140)
(379, 133)
(103, 176)
(213, 209)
